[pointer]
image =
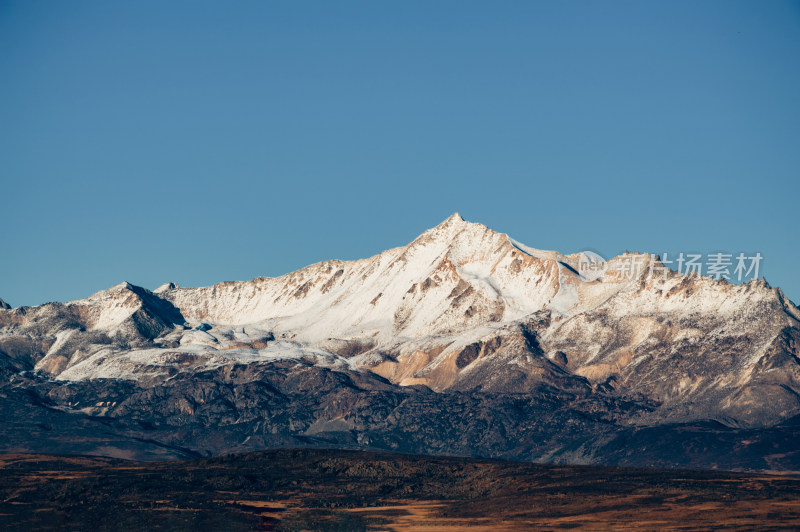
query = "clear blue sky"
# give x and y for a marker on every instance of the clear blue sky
(198, 142)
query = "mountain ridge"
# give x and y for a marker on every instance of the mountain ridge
(461, 311)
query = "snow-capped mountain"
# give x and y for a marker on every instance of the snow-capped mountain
(460, 310)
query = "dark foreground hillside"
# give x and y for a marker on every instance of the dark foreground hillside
(346, 490)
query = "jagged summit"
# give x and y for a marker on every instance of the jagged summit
(454, 218)
(4, 305)
(447, 229)
(164, 287)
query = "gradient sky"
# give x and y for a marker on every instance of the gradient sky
(198, 142)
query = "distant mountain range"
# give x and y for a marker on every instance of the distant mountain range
(462, 342)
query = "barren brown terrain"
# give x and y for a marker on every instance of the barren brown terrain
(347, 490)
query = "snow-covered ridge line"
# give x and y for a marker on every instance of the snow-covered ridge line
(459, 307)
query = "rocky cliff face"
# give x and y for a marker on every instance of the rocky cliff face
(462, 313)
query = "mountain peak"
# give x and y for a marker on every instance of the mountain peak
(445, 231)
(124, 285)
(453, 218)
(453, 221)
(164, 287)
(4, 305)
